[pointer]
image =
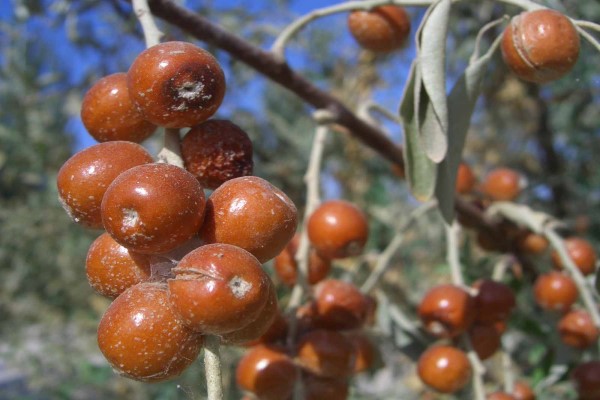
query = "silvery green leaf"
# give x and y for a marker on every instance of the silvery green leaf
(420, 170)
(432, 66)
(461, 104)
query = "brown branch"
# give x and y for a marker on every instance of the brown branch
(280, 72)
(277, 71)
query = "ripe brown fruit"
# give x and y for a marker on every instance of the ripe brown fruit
(532, 243)
(216, 151)
(494, 301)
(444, 368)
(500, 396)
(84, 178)
(255, 330)
(577, 329)
(338, 229)
(465, 179)
(176, 84)
(250, 213)
(522, 391)
(276, 332)
(153, 208)
(267, 372)
(381, 29)
(219, 288)
(581, 252)
(326, 353)
(143, 339)
(485, 340)
(339, 305)
(586, 378)
(108, 113)
(555, 291)
(319, 388)
(447, 311)
(112, 268)
(540, 46)
(286, 267)
(502, 184)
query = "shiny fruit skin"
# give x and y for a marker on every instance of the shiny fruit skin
(582, 254)
(577, 329)
(502, 184)
(381, 29)
(84, 178)
(255, 330)
(338, 229)
(485, 340)
(555, 291)
(447, 311)
(319, 388)
(108, 113)
(219, 288)
(286, 267)
(143, 339)
(325, 353)
(112, 268)
(465, 179)
(444, 368)
(586, 377)
(522, 391)
(267, 372)
(540, 46)
(494, 301)
(216, 151)
(176, 84)
(250, 213)
(153, 208)
(339, 305)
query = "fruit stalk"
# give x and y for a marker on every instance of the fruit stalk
(212, 366)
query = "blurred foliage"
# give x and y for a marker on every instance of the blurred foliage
(53, 50)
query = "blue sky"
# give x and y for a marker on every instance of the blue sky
(78, 62)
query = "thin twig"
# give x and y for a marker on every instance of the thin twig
(383, 261)
(452, 234)
(589, 37)
(312, 181)
(171, 151)
(278, 47)
(478, 369)
(507, 371)
(480, 34)
(212, 365)
(587, 24)
(152, 34)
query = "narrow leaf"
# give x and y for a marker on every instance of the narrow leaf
(420, 170)
(432, 65)
(461, 104)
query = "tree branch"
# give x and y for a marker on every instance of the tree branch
(277, 71)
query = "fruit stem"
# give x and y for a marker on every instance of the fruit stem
(383, 261)
(171, 151)
(152, 34)
(312, 178)
(452, 233)
(212, 366)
